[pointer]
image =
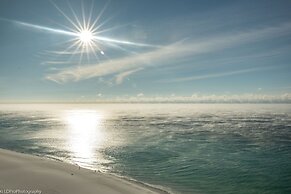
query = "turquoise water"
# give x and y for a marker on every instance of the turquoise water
(182, 148)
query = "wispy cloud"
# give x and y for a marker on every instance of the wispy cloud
(215, 75)
(120, 77)
(166, 54)
(55, 62)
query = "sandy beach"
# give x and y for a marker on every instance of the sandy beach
(21, 173)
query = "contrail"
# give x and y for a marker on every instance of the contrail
(76, 34)
(42, 28)
(48, 29)
(105, 39)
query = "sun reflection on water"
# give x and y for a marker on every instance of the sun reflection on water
(85, 135)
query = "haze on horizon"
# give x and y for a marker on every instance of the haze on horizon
(145, 51)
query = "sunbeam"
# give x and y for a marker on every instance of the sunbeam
(84, 34)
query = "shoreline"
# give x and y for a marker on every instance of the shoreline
(21, 171)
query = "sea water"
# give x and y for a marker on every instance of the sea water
(181, 148)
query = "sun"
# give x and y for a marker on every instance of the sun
(86, 37)
(86, 40)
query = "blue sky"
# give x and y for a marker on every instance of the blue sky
(145, 51)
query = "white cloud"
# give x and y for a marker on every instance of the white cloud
(140, 95)
(167, 54)
(121, 76)
(200, 98)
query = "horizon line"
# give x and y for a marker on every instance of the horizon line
(148, 102)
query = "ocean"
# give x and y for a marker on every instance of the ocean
(180, 148)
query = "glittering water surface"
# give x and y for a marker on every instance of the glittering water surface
(184, 148)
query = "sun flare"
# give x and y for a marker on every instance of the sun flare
(86, 37)
(85, 30)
